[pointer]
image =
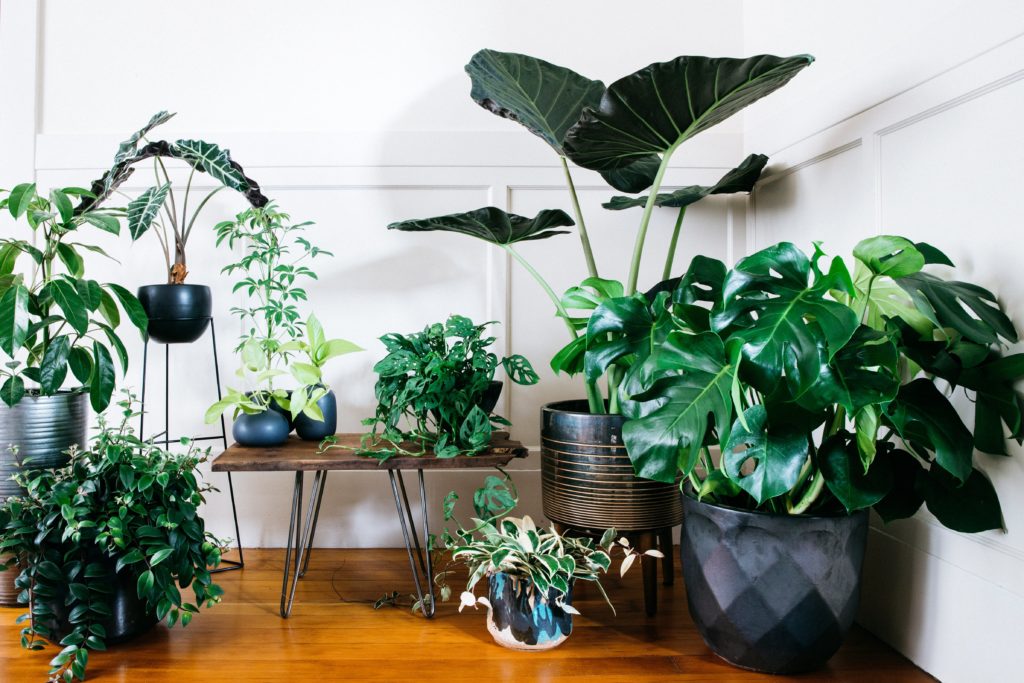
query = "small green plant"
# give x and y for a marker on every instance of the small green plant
(429, 389)
(121, 506)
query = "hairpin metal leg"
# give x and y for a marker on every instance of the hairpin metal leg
(319, 484)
(420, 563)
(301, 543)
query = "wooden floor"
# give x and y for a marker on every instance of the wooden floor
(328, 639)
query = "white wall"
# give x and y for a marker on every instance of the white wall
(909, 123)
(354, 116)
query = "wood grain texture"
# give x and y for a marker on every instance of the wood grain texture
(297, 455)
(335, 635)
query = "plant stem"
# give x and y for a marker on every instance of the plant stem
(645, 220)
(195, 214)
(667, 273)
(811, 495)
(588, 253)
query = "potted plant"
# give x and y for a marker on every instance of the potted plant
(106, 542)
(273, 262)
(54, 319)
(178, 312)
(436, 391)
(628, 132)
(828, 394)
(531, 571)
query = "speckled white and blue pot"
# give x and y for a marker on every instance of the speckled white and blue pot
(519, 619)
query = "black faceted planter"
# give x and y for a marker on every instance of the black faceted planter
(771, 593)
(178, 314)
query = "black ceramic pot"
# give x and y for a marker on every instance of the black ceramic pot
(491, 395)
(261, 430)
(519, 619)
(587, 479)
(129, 617)
(178, 314)
(771, 593)
(309, 429)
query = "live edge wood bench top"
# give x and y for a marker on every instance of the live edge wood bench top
(298, 455)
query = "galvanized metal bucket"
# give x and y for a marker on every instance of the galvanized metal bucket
(588, 481)
(42, 428)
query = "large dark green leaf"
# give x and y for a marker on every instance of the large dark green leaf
(697, 291)
(619, 327)
(778, 454)
(693, 381)
(493, 225)
(970, 507)
(13, 318)
(840, 463)
(997, 401)
(132, 308)
(144, 208)
(864, 371)
(545, 98)
(208, 158)
(12, 390)
(889, 255)
(66, 296)
(797, 329)
(129, 147)
(740, 179)
(903, 499)
(944, 302)
(921, 415)
(101, 382)
(636, 177)
(657, 108)
(54, 367)
(877, 299)
(80, 362)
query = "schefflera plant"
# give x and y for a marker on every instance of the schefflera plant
(628, 132)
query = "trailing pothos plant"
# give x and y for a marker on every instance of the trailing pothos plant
(122, 506)
(429, 389)
(628, 132)
(157, 207)
(824, 390)
(52, 317)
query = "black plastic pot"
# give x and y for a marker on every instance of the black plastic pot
(771, 593)
(129, 616)
(309, 429)
(520, 619)
(261, 430)
(587, 479)
(178, 314)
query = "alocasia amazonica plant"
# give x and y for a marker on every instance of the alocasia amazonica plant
(627, 132)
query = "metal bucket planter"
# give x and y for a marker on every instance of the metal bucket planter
(588, 482)
(520, 619)
(43, 428)
(771, 593)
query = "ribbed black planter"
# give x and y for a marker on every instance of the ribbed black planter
(178, 314)
(588, 482)
(771, 593)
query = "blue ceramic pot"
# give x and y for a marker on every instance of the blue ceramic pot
(286, 413)
(309, 429)
(520, 619)
(178, 314)
(261, 430)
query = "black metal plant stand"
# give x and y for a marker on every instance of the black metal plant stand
(166, 440)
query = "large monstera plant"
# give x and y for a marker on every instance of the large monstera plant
(822, 390)
(628, 132)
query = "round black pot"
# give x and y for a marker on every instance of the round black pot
(287, 414)
(587, 479)
(519, 619)
(261, 430)
(490, 396)
(309, 429)
(129, 617)
(178, 314)
(771, 593)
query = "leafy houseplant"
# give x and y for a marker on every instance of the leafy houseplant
(436, 390)
(107, 542)
(827, 393)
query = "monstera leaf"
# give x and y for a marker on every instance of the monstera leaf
(922, 416)
(840, 463)
(493, 225)
(620, 327)
(944, 303)
(144, 208)
(863, 372)
(208, 158)
(545, 98)
(656, 109)
(692, 387)
(876, 299)
(129, 147)
(797, 329)
(778, 453)
(996, 401)
(740, 179)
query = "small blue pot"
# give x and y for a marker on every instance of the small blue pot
(262, 430)
(309, 429)
(520, 619)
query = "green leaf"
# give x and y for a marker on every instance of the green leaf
(863, 372)
(970, 507)
(65, 295)
(305, 373)
(570, 357)
(160, 555)
(20, 197)
(129, 147)
(903, 499)
(867, 420)
(101, 382)
(944, 303)
(71, 260)
(80, 363)
(54, 367)
(13, 390)
(656, 109)
(628, 323)
(877, 298)
(545, 98)
(889, 255)
(145, 583)
(333, 348)
(997, 401)
(520, 370)
(921, 415)
(132, 308)
(8, 258)
(740, 179)
(103, 222)
(840, 463)
(108, 309)
(777, 451)
(493, 225)
(13, 319)
(475, 430)
(214, 161)
(63, 205)
(144, 209)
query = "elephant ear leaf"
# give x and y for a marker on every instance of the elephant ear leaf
(946, 303)
(545, 98)
(657, 108)
(129, 147)
(144, 208)
(208, 158)
(778, 454)
(493, 225)
(636, 177)
(740, 179)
